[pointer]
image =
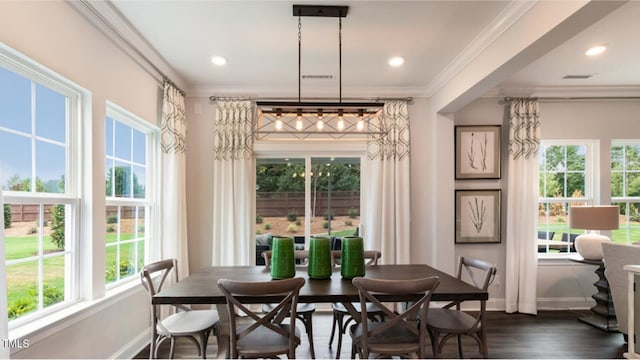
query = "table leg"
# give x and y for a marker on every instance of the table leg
(222, 335)
(602, 315)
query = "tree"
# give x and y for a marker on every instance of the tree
(57, 225)
(7, 216)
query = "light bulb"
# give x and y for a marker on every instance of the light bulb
(299, 125)
(320, 124)
(340, 124)
(278, 124)
(360, 125)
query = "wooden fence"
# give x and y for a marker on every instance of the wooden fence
(273, 204)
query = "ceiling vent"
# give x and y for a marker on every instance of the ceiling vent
(578, 77)
(318, 77)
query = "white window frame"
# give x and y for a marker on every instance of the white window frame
(591, 185)
(625, 199)
(76, 105)
(152, 176)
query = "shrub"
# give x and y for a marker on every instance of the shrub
(325, 224)
(112, 219)
(21, 306)
(560, 219)
(141, 228)
(126, 268)
(292, 216)
(267, 226)
(258, 219)
(57, 226)
(110, 229)
(635, 217)
(326, 216)
(50, 294)
(7, 216)
(298, 222)
(353, 213)
(32, 230)
(348, 223)
(292, 228)
(258, 232)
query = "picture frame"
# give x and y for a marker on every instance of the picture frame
(478, 151)
(478, 216)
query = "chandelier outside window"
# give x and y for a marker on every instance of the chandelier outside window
(318, 120)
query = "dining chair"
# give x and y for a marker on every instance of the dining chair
(399, 333)
(340, 311)
(304, 312)
(184, 322)
(450, 322)
(263, 335)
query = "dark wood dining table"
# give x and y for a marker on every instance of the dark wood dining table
(201, 287)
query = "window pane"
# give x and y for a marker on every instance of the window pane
(50, 167)
(22, 288)
(109, 174)
(617, 157)
(335, 196)
(139, 181)
(15, 155)
(575, 158)
(575, 184)
(632, 157)
(123, 141)
(139, 147)
(51, 114)
(280, 196)
(109, 136)
(53, 282)
(21, 238)
(122, 179)
(633, 184)
(15, 101)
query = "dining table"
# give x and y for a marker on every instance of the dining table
(201, 287)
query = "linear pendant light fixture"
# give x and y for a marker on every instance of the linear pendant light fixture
(318, 120)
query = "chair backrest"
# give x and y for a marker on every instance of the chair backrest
(371, 257)
(301, 256)
(234, 291)
(616, 256)
(479, 273)
(369, 289)
(153, 284)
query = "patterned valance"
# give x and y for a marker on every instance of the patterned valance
(394, 144)
(233, 135)
(524, 128)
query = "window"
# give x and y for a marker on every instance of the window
(625, 189)
(565, 180)
(329, 187)
(129, 160)
(38, 174)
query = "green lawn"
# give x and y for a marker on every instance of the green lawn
(623, 235)
(22, 277)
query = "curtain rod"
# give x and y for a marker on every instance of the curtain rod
(376, 99)
(571, 98)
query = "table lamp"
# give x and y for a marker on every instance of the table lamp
(600, 217)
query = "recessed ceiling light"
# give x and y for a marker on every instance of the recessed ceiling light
(596, 50)
(218, 60)
(396, 61)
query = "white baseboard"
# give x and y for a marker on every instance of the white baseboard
(134, 347)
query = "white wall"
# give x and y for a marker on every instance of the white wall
(56, 36)
(562, 284)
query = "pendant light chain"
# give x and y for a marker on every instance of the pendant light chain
(340, 57)
(299, 55)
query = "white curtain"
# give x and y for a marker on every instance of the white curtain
(233, 184)
(386, 187)
(174, 207)
(522, 206)
(4, 326)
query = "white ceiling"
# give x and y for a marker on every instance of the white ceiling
(259, 40)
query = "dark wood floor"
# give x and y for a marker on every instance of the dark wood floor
(550, 334)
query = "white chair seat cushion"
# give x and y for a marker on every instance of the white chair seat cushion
(188, 322)
(448, 320)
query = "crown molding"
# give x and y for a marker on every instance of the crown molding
(285, 92)
(497, 27)
(105, 17)
(567, 91)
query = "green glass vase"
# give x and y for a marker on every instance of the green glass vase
(283, 262)
(352, 257)
(319, 258)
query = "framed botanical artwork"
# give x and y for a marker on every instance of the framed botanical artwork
(477, 216)
(478, 152)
